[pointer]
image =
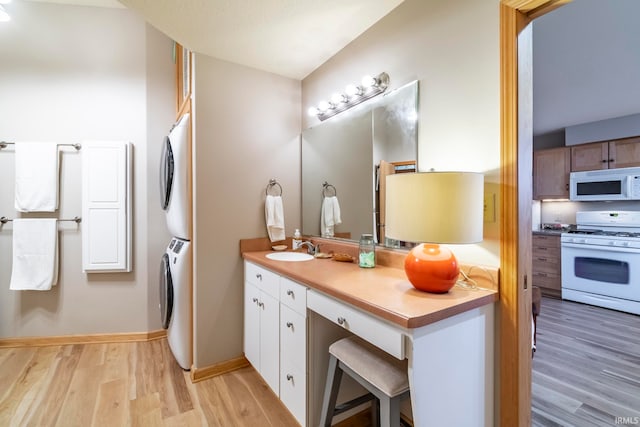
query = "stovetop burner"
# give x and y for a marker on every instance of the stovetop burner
(605, 233)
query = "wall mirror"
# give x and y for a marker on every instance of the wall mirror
(349, 155)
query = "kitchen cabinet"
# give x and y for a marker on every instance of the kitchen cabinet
(262, 323)
(275, 335)
(619, 153)
(546, 264)
(551, 173)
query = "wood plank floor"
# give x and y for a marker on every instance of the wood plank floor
(127, 384)
(586, 370)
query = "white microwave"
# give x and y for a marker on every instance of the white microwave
(605, 184)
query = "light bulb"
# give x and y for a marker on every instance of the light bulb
(312, 111)
(352, 90)
(4, 16)
(368, 81)
(337, 98)
(323, 106)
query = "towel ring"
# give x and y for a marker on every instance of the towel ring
(328, 187)
(272, 183)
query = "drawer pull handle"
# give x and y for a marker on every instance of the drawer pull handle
(542, 259)
(259, 276)
(261, 304)
(289, 377)
(542, 274)
(289, 325)
(341, 320)
(255, 300)
(289, 292)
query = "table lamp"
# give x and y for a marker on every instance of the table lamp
(433, 208)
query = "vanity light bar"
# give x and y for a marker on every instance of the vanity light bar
(354, 95)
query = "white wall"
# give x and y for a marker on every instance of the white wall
(247, 132)
(586, 63)
(452, 47)
(71, 73)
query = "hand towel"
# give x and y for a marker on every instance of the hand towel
(329, 216)
(35, 254)
(36, 177)
(274, 215)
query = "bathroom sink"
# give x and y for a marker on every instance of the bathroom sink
(289, 256)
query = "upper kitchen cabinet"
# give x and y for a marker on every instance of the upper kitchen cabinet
(619, 153)
(551, 173)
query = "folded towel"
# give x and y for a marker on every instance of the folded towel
(35, 254)
(329, 216)
(274, 215)
(36, 176)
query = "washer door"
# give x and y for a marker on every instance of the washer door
(166, 173)
(166, 291)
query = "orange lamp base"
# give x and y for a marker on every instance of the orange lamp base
(432, 268)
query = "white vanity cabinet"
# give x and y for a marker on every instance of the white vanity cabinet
(275, 335)
(262, 323)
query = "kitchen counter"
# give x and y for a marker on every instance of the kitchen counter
(382, 291)
(548, 232)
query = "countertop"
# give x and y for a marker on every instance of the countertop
(382, 291)
(549, 232)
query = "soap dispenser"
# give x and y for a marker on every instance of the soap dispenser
(297, 240)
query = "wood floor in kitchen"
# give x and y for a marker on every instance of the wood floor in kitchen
(586, 370)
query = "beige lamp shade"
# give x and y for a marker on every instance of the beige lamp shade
(435, 207)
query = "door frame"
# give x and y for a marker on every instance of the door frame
(515, 211)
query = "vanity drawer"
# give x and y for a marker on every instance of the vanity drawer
(293, 339)
(263, 279)
(366, 326)
(293, 295)
(293, 392)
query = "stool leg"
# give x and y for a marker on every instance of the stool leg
(331, 388)
(375, 413)
(390, 412)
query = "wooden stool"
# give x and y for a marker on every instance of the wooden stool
(383, 375)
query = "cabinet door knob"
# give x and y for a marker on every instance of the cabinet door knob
(289, 377)
(290, 325)
(566, 187)
(261, 304)
(612, 160)
(259, 276)
(255, 300)
(341, 320)
(289, 292)
(604, 160)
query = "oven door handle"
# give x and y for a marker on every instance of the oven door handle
(619, 249)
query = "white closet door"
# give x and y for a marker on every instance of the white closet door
(106, 206)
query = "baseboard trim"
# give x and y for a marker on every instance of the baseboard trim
(199, 374)
(82, 339)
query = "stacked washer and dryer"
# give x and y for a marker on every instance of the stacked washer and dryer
(175, 267)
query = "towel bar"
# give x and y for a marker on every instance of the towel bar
(326, 186)
(273, 182)
(76, 219)
(3, 144)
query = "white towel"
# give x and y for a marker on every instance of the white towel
(36, 176)
(274, 216)
(329, 216)
(35, 254)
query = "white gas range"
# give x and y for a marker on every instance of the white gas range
(601, 260)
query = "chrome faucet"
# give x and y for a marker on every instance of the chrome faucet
(311, 250)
